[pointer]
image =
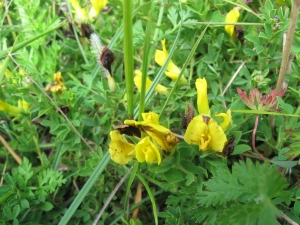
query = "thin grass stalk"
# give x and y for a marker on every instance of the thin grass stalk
(130, 182)
(86, 188)
(145, 69)
(151, 196)
(159, 74)
(76, 35)
(128, 54)
(183, 69)
(133, 206)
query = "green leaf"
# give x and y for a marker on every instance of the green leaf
(45, 206)
(238, 149)
(16, 210)
(24, 203)
(189, 166)
(8, 213)
(173, 176)
(189, 179)
(250, 213)
(284, 164)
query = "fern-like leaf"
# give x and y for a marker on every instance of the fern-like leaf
(249, 188)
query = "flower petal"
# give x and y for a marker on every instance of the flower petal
(231, 17)
(120, 150)
(202, 100)
(138, 83)
(146, 151)
(218, 137)
(194, 130)
(226, 119)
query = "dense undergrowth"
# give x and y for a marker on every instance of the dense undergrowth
(219, 142)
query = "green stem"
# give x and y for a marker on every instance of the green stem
(76, 35)
(288, 45)
(128, 54)
(145, 69)
(150, 194)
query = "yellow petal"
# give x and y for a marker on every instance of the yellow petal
(5, 107)
(120, 150)
(162, 135)
(194, 130)
(146, 151)
(97, 6)
(202, 100)
(138, 83)
(151, 117)
(58, 79)
(80, 13)
(226, 119)
(111, 83)
(206, 133)
(231, 17)
(218, 137)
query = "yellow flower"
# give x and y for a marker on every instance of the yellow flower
(97, 6)
(138, 83)
(231, 17)
(172, 70)
(202, 100)
(58, 85)
(161, 135)
(145, 150)
(206, 133)
(5, 107)
(120, 150)
(80, 13)
(203, 130)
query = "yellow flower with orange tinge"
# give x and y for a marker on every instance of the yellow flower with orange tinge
(58, 85)
(138, 83)
(203, 130)
(172, 70)
(231, 17)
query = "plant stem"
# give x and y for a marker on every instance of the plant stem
(288, 45)
(253, 138)
(11, 151)
(128, 54)
(145, 69)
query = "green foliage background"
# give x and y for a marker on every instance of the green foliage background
(189, 187)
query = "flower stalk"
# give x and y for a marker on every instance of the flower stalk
(128, 54)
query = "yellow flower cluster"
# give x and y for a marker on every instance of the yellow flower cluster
(157, 140)
(58, 85)
(81, 14)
